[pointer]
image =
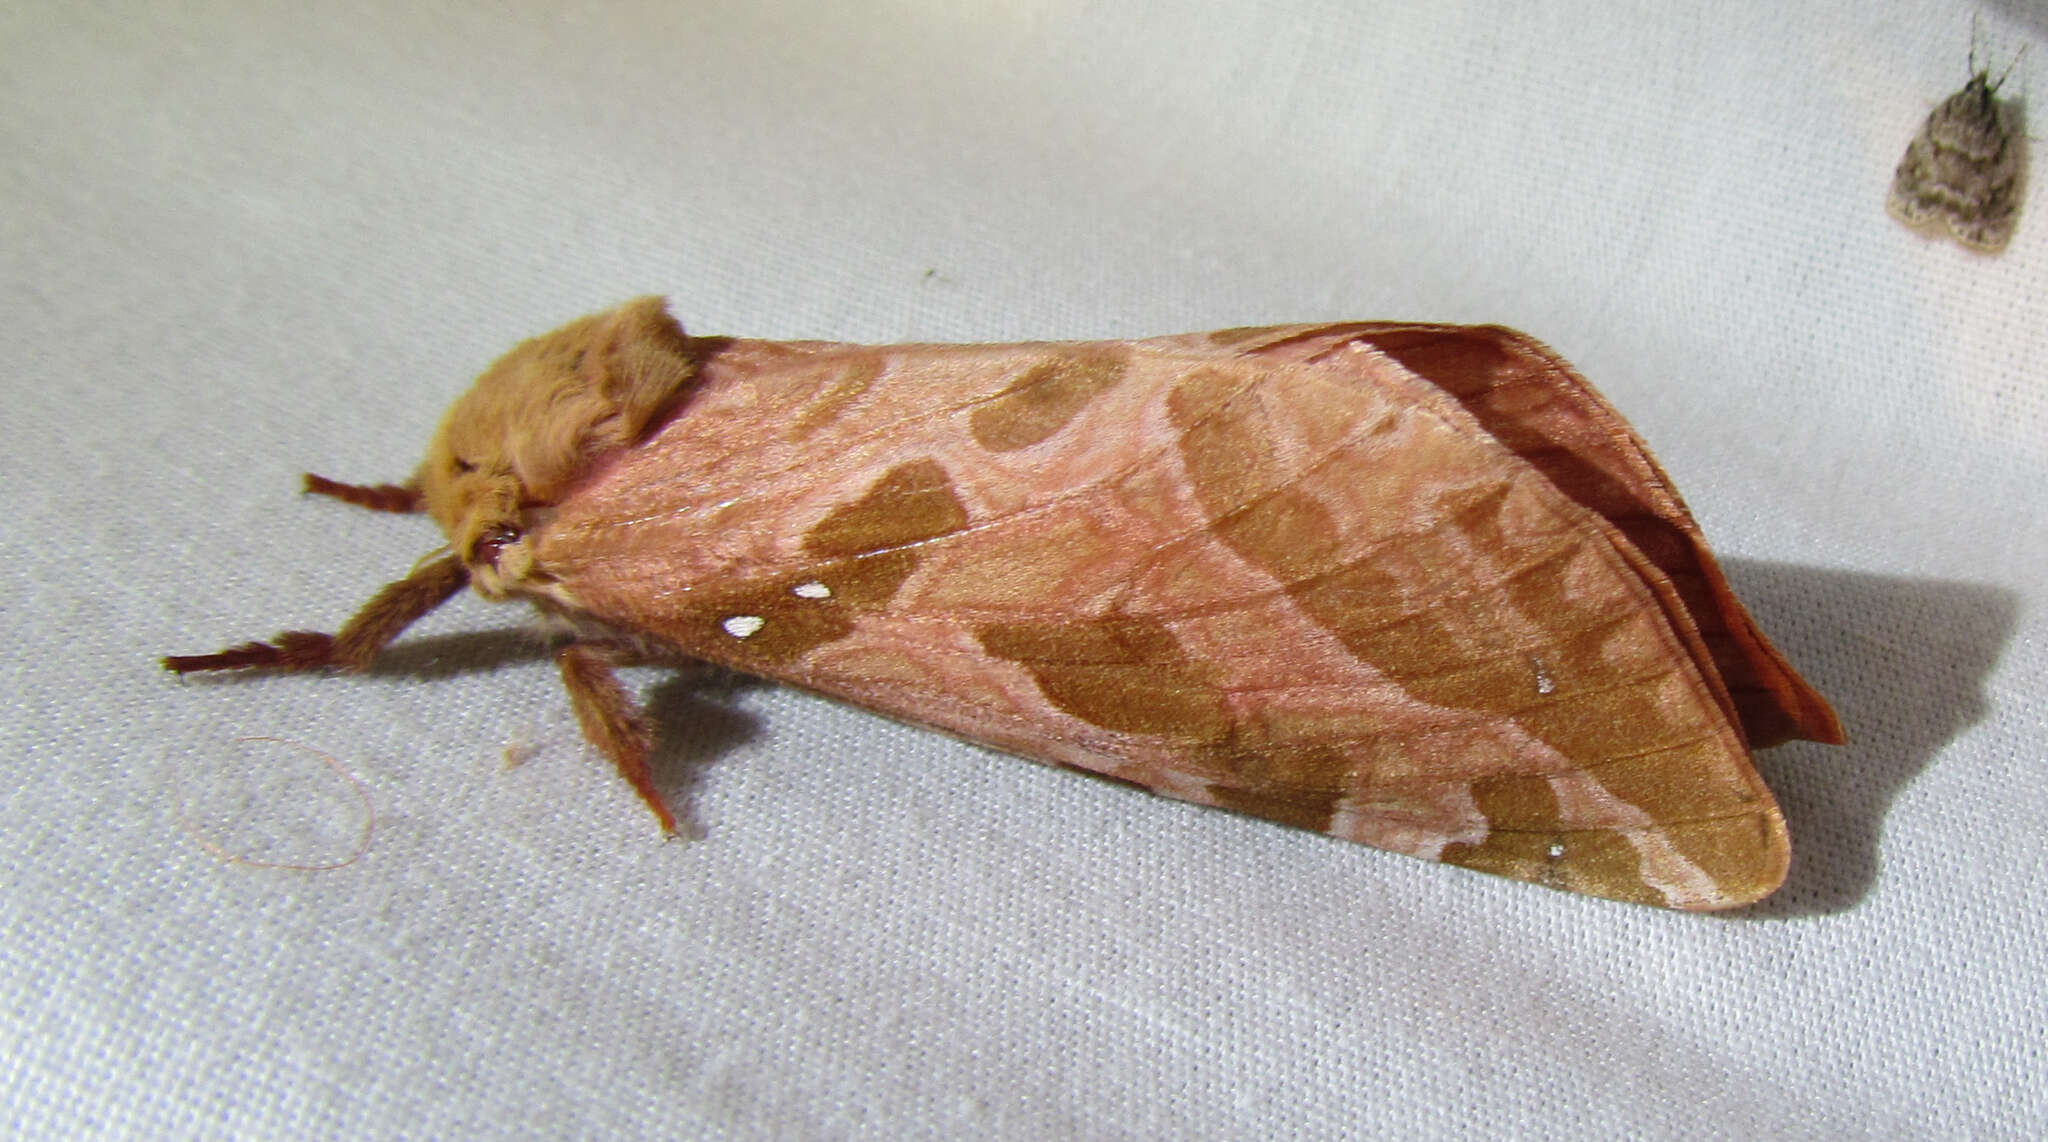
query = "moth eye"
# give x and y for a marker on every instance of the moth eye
(463, 467)
(492, 544)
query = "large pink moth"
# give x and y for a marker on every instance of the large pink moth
(1411, 585)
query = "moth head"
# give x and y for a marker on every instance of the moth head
(1980, 91)
(536, 422)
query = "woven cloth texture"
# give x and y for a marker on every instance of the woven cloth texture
(244, 241)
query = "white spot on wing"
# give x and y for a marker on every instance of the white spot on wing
(1556, 849)
(743, 626)
(811, 590)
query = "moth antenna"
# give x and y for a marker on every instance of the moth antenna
(2007, 73)
(402, 499)
(387, 613)
(613, 721)
(1986, 73)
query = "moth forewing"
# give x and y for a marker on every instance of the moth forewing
(1286, 575)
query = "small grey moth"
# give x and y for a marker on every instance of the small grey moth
(1962, 173)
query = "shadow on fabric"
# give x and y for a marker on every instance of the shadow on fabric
(1904, 662)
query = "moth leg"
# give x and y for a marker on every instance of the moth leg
(391, 610)
(404, 499)
(613, 721)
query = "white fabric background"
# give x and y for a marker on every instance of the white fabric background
(242, 242)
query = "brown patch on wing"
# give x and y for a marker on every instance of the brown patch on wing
(913, 502)
(1128, 675)
(1303, 809)
(1041, 401)
(1294, 785)
(1229, 452)
(1525, 840)
(1728, 849)
(865, 551)
(1293, 527)
(835, 397)
(1240, 334)
(792, 624)
(1132, 676)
